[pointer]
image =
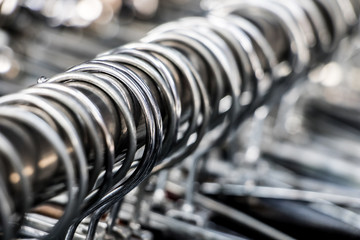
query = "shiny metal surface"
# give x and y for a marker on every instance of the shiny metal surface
(103, 140)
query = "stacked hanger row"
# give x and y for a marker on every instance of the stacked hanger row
(99, 129)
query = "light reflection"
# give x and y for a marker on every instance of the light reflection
(14, 178)
(28, 171)
(47, 161)
(8, 6)
(89, 10)
(146, 8)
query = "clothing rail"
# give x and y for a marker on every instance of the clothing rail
(99, 129)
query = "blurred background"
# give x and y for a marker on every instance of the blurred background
(44, 37)
(297, 161)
